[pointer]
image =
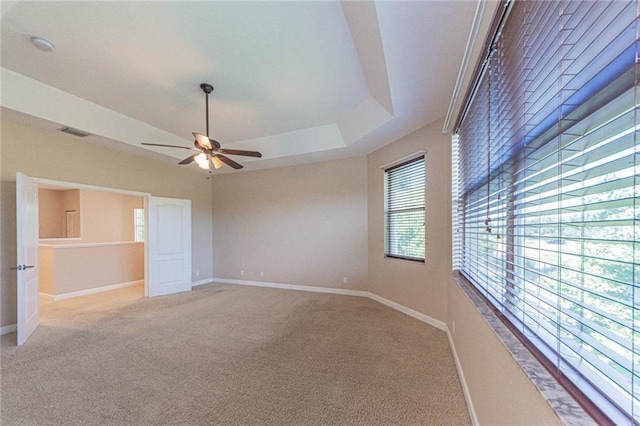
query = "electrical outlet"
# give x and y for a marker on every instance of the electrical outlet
(242, 272)
(197, 273)
(261, 273)
(345, 280)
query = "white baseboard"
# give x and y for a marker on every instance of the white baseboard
(201, 282)
(360, 293)
(415, 314)
(47, 296)
(8, 329)
(294, 287)
(463, 381)
(96, 290)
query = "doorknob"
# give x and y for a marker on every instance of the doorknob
(22, 267)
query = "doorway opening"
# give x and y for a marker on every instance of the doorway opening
(91, 244)
(166, 247)
(91, 241)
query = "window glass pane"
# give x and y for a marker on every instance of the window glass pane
(139, 224)
(405, 210)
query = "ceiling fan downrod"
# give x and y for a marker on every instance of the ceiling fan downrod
(207, 88)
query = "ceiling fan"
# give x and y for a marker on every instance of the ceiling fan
(209, 150)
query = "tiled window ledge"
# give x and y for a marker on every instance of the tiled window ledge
(564, 405)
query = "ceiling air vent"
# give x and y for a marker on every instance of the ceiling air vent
(74, 132)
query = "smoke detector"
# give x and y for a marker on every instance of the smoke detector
(42, 44)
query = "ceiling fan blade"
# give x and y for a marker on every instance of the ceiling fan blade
(202, 140)
(189, 159)
(228, 161)
(216, 162)
(168, 146)
(239, 152)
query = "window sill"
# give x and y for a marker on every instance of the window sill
(406, 259)
(564, 405)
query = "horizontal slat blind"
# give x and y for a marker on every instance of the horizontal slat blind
(548, 188)
(456, 234)
(405, 210)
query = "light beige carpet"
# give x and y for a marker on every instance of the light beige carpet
(225, 354)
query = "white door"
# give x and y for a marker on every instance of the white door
(169, 244)
(27, 256)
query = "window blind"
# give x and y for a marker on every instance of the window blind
(548, 190)
(405, 210)
(456, 234)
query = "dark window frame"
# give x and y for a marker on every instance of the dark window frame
(407, 205)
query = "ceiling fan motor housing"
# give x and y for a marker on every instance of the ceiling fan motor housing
(206, 88)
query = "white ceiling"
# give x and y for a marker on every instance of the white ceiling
(299, 81)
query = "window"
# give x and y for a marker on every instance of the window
(138, 224)
(548, 190)
(404, 210)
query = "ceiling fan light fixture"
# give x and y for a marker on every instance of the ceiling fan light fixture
(203, 161)
(217, 163)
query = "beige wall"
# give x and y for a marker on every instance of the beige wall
(51, 213)
(102, 216)
(70, 159)
(304, 225)
(422, 287)
(502, 393)
(46, 270)
(52, 207)
(107, 216)
(66, 268)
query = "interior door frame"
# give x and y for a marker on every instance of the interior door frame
(27, 269)
(144, 195)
